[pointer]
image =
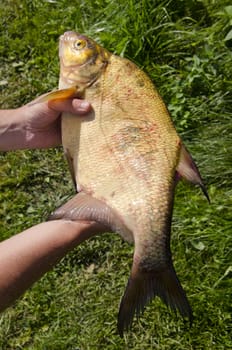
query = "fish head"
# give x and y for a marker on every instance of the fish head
(81, 59)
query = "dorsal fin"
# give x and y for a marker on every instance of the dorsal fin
(187, 169)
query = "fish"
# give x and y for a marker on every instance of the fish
(125, 159)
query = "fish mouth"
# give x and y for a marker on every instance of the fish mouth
(70, 36)
(65, 40)
(70, 56)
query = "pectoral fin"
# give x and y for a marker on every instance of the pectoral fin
(71, 167)
(188, 170)
(59, 95)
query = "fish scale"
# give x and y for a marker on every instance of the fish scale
(125, 158)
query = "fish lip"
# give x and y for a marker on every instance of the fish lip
(70, 36)
(67, 36)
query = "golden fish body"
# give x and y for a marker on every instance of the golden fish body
(124, 158)
(125, 155)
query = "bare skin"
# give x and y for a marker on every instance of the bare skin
(28, 255)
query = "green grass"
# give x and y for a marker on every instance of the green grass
(185, 46)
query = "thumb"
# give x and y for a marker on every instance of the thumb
(73, 106)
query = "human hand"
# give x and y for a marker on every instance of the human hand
(43, 123)
(37, 125)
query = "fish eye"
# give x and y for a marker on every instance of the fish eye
(79, 44)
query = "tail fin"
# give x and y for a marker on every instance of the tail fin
(143, 286)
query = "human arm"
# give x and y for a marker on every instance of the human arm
(36, 125)
(27, 256)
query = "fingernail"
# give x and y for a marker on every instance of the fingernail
(84, 105)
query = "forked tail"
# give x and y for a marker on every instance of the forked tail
(145, 285)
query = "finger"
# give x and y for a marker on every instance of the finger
(73, 106)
